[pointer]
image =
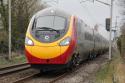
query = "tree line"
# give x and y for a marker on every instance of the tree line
(121, 38)
(21, 12)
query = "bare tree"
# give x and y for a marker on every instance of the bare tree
(4, 14)
(22, 10)
(122, 5)
(123, 29)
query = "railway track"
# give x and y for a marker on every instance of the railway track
(49, 78)
(22, 80)
(58, 78)
(27, 79)
(53, 80)
(14, 68)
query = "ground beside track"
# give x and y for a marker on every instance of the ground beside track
(16, 59)
(88, 72)
(113, 71)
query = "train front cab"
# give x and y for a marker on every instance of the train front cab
(46, 53)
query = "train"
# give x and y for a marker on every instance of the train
(57, 40)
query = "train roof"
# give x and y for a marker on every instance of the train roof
(52, 11)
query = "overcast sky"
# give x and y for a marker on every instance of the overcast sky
(91, 13)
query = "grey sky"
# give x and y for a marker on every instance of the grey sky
(90, 13)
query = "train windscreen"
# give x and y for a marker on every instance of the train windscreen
(49, 28)
(54, 22)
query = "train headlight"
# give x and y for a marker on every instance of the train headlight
(28, 41)
(65, 42)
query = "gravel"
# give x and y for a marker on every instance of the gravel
(86, 73)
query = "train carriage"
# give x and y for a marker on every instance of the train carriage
(56, 40)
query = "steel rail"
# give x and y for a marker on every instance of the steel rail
(14, 68)
(21, 80)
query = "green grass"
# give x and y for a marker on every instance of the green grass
(105, 70)
(105, 74)
(15, 60)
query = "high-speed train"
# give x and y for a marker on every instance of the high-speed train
(56, 40)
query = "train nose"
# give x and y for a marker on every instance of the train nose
(45, 52)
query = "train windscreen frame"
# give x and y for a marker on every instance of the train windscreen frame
(55, 23)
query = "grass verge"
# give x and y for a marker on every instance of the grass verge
(113, 71)
(15, 60)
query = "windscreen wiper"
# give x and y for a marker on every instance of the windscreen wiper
(46, 28)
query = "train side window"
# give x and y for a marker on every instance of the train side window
(85, 36)
(88, 36)
(79, 31)
(79, 27)
(97, 39)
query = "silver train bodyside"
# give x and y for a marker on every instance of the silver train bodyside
(89, 42)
